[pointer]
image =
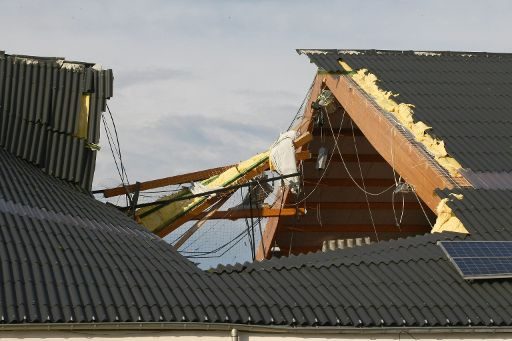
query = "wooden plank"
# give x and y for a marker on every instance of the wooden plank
(306, 125)
(363, 158)
(357, 228)
(303, 139)
(303, 155)
(411, 163)
(326, 131)
(171, 180)
(337, 182)
(312, 205)
(269, 234)
(264, 212)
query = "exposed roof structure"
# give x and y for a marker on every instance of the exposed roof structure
(66, 257)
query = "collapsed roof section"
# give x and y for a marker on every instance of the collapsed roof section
(50, 111)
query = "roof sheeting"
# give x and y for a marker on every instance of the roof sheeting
(486, 214)
(398, 283)
(65, 257)
(39, 113)
(465, 97)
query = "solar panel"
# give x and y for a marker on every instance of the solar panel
(480, 259)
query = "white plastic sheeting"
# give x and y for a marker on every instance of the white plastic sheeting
(282, 159)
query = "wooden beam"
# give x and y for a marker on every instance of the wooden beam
(417, 168)
(349, 183)
(351, 158)
(194, 176)
(326, 131)
(305, 126)
(269, 234)
(357, 228)
(303, 155)
(171, 180)
(264, 212)
(303, 139)
(312, 205)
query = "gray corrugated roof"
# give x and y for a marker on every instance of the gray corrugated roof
(486, 214)
(39, 107)
(65, 257)
(407, 283)
(466, 97)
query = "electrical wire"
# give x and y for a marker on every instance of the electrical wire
(107, 133)
(364, 186)
(422, 209)
(123, 169)
(308, 94)
(336, 145)
(326, 166)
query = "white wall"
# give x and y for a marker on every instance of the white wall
(209, 335)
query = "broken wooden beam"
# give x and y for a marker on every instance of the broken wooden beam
(171, 180)
(264, 212)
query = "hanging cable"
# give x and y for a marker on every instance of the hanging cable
(123, 169)
(336, 145)
(326, 167)
(364, 185)
(308, 94)
(422, 209)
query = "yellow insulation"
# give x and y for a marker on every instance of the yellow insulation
(446, 220)
(404, 113)
(163, 217)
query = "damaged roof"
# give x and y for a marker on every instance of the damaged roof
(40, 105)
(466, 97)
(66, 257)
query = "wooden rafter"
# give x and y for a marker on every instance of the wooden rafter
(351, 158)
(299, 142)
(305, 127)
(171, 180)
(264, 212)
(349, 182)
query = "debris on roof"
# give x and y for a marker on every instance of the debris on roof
(446, 220)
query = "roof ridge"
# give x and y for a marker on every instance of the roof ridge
(420, 52)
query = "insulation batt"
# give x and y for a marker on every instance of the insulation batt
(282, 159)
(404, 113)
(446, 220)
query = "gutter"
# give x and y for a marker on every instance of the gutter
(199, 326)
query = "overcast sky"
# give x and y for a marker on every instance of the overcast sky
(200, 84)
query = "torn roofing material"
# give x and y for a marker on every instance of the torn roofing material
(50, 111)
(464, 96)
(485, 213)
(66, 258)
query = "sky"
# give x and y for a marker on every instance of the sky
(200, 84)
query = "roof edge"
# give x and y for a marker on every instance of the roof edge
(286, 329)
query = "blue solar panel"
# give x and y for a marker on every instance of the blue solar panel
(478, 260)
